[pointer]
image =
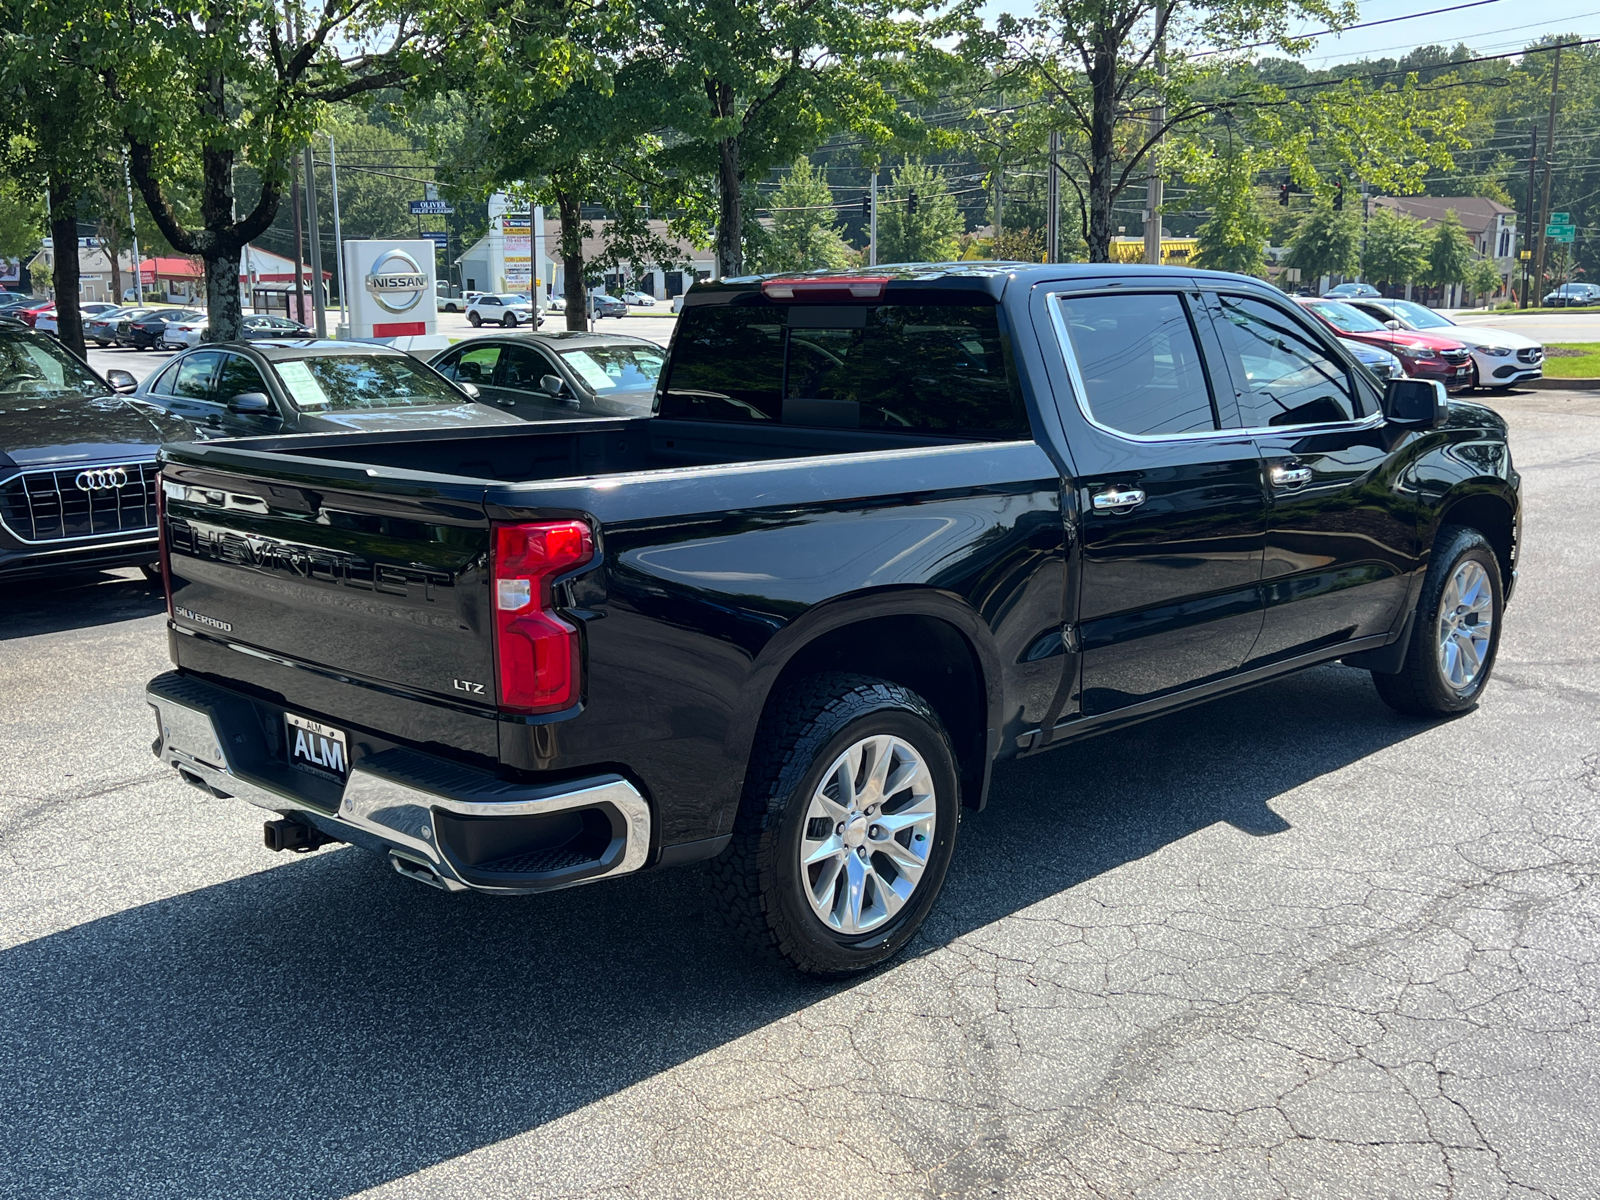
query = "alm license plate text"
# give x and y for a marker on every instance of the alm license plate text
(317, 748)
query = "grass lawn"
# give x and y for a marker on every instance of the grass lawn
(1572, 360)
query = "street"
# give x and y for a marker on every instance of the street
(657, 327)
(1288, 943)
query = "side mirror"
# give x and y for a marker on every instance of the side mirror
(121, 381)
(1415, 403)
(1391, 323)
(551, 385)
(470, 389)
(250, 404)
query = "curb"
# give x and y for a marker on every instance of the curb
(1553, 384)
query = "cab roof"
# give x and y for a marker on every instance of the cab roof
(987, 278)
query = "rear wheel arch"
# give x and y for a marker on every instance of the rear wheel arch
(928, 642)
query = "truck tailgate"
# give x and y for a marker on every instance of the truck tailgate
(373, 577)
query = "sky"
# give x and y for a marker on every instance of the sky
(1489, 28)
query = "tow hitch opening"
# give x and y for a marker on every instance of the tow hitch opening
(288, 834)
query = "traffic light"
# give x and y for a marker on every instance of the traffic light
(1338, 195)
(911, 203)
(1283, 193)
(866, 206)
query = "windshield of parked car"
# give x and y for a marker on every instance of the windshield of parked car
(509, 299)
(616, 368)
(40, 367)
(1419, 316)
(1342, 316)
(341, 382)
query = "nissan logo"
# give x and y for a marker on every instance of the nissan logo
(397, 282)
(101, 479)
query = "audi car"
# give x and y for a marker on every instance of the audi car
(77, 461)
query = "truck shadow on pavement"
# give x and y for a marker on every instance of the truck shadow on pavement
(325, 1026)
(31, 607)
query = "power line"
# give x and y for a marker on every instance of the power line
(1363, 25)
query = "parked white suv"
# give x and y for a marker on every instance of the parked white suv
(508, 310)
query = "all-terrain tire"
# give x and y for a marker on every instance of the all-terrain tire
(1421, 686)
(758, 878)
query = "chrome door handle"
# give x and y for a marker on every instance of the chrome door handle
(1291, 476)
(1118, 500)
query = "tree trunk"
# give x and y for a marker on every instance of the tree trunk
(64, 267)
(573, 288)
(1102, 154)
(223, 308)
(730, 211)
(111, 243)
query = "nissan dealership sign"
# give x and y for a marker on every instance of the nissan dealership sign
(391, 287)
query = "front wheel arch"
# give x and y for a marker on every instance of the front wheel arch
(1492, 514)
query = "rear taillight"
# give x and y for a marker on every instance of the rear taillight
(537, 652)
(161, 541)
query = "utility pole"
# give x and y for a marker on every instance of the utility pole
(1153, 188)
(872, 223)
(1527, 233)
(318, 301)
(999, 201)
(338, 237)
(1052, 241)
(138, 273)
(1549, 155)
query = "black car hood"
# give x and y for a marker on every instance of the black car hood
(81, 428)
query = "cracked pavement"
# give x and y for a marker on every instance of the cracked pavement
(1287, 944)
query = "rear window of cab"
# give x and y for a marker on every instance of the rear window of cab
(929, 368)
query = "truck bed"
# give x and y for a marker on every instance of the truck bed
(581, 449)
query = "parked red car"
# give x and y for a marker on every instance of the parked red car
(1424, 355)
(29, 315)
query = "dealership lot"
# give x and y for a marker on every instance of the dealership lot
(1287, 943)
(657, 326)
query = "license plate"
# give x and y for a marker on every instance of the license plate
(317, 748)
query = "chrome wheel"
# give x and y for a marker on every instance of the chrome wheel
(1466, 621)
(868, 832)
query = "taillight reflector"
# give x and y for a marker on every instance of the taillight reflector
(854, 287)
(536, 650)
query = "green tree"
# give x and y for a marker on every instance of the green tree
(1397, 248)
(21, 220)
(927, 233)
(804, 235)
(53, 130)
(1483, 278)
(1326, 243)
(1018, 245)
(203, 90)
(1449, 252)
(1093, 63)
(1234, 236)
(756, 83)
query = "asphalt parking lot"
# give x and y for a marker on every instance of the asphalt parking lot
(1287, 944)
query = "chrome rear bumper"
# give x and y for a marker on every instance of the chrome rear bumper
(437, 822)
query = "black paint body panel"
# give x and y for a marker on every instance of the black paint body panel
(354, 578)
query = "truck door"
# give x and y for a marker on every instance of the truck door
(1341, 537)
(1173, 504)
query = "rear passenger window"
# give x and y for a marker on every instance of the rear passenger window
(194, 376)
(930, 368)
(1139, 362)
(1283, 376)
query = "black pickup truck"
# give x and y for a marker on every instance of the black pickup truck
(881, 530)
